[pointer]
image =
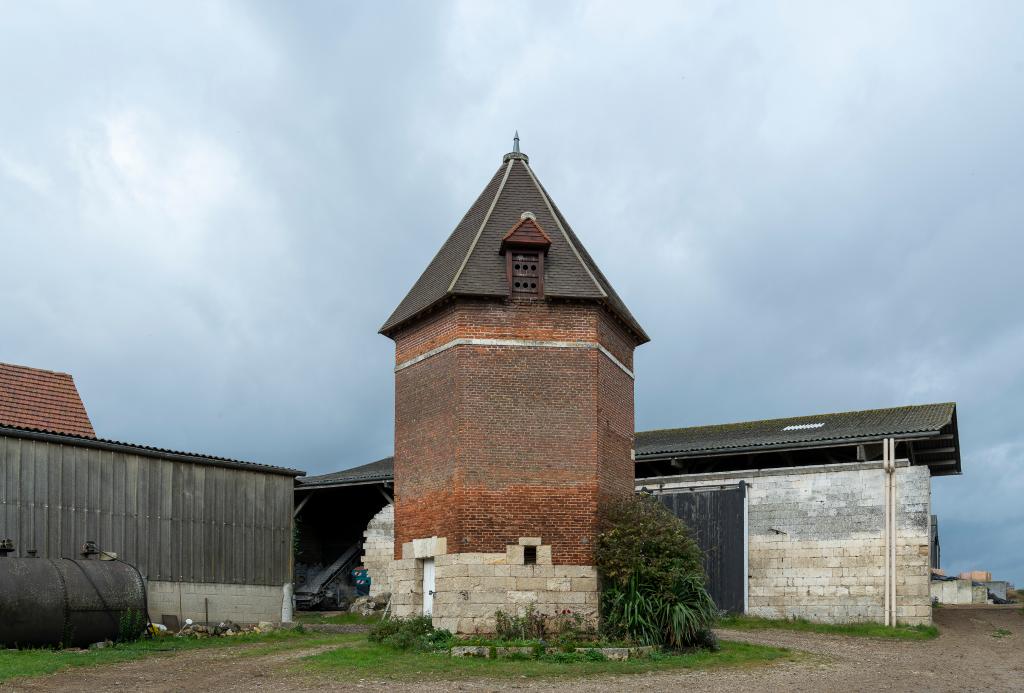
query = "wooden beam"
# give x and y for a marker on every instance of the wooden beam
(935, 451)
(302, 504)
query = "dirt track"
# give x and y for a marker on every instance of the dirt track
(966, 656)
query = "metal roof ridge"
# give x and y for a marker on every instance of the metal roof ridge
(36, 369)
(94, 441)
(800, 416)
(341, 478)
(479, 231)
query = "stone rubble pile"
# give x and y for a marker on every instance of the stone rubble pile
(368, 606)
(222, 629)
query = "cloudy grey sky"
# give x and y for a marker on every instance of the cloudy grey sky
(208, 210)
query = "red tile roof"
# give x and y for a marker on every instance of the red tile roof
(526, 231)
(44, 400)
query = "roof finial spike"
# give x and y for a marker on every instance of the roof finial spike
(515, 153)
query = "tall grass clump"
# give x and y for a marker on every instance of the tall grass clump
(416, 633)
(653, 579)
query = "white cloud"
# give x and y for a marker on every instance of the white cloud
(155, 188)
(32, 177)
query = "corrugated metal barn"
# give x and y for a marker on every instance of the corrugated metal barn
(212, 536)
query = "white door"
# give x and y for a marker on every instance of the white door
(428, 586)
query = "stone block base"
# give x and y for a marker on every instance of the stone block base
(379, 550)
(470, 587)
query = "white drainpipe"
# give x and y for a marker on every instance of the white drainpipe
(885, 528)
(892, 534)
(889, 467)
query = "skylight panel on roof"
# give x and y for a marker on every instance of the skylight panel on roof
(803, 427)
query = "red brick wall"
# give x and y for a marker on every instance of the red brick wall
(527, 447)
(616, 426)
(557, 321)
(425, 416)
(428, 333)
(495, 443)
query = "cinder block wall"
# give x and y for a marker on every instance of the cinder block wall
(238, 603)
(816, 546)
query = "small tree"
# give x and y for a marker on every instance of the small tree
(653, 577)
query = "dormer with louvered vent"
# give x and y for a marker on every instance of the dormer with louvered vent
(524, 248)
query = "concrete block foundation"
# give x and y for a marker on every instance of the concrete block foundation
(194, 600)
(816, 547)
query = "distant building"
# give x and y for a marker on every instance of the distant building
(211, 536)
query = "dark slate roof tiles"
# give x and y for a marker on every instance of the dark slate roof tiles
(475, 264)
(614, 301)
(825, 428)
(432, 286)
(383, 470)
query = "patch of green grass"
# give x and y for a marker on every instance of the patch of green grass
(364, 660)
(1001, 633)
(37, 662)
(567, 644)
(339, 619)
(312, 640)
(867, 630)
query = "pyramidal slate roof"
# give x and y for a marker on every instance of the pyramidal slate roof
(470, 264)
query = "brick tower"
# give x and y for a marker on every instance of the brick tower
(513, 413)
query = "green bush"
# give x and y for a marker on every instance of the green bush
(653, 577)
(416, 633)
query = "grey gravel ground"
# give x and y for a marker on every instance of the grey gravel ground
(965, 657)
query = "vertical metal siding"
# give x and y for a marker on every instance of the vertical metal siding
(716, 518)
(174, 520)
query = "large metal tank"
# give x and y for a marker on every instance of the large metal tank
(69, 602)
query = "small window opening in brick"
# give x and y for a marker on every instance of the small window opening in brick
(529, 555)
